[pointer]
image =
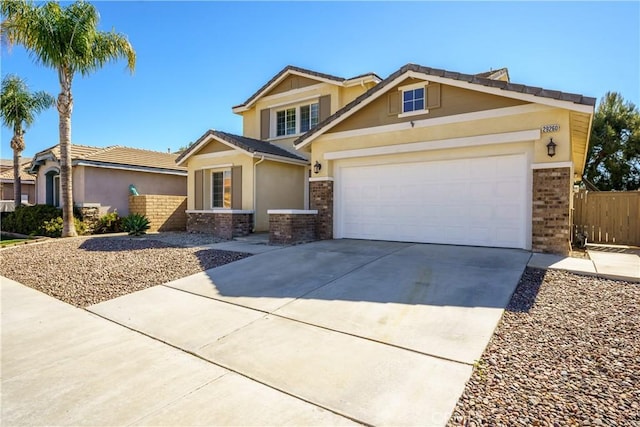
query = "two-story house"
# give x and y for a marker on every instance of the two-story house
(234, 180)
(425, 155)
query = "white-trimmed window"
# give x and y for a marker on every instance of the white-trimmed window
(295, 120)
(413, 100)
(221, 189)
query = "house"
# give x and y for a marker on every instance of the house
(237, 179)
(102, 176)
(27, 183)
(425, 155)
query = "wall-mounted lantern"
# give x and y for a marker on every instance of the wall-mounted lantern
(316, 167)
(551, 148)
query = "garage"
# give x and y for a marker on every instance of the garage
(472, 201)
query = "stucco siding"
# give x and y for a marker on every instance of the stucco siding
(110, 187)
(279, 186)
(453, 100)
(292, 82)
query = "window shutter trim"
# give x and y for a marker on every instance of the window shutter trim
(198, 193)
(236, 187)
(433, 95)
(265, 124)
(394, 102)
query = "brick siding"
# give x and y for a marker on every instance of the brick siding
(292, 228)
(551, 210)
(220, 225)
(165, 213)
(321, 199)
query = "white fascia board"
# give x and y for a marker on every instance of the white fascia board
(206, 141)
(437, 121)
(281, 159)
(568, 105)
(246, 107)
(217, 166)
(552, 165)
(128, 168)
(321, 178)
(215, 155)
(361, 80)
(491, 139)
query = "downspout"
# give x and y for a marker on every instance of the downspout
(255, 192)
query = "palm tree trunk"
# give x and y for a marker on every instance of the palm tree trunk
(65, 107)
(17, 184)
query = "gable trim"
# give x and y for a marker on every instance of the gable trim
(292, 92)
(437, 121)
(207, 139)
(214, 155)
(491, 139)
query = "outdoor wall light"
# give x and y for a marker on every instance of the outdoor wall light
(316, 167)
(551, 148)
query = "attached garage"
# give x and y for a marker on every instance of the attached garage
(472, 201)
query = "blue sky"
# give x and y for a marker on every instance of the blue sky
(198, 59)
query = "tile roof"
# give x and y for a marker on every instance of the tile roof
(470, 78)
(303, 71)
(117, 155)
(248, 144)
(7, 175)
(494, 74)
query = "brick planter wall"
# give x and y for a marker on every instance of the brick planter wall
(551, 228)
(321, 199)
(223, 225)
(90, 216)
(165, 213)
(289, 227)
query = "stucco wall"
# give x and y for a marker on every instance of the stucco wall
(27, 188)
(110, 187)
(279, 186)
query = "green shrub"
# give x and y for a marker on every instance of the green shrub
(29, 219)
(109, 223)
(135, 224)
(53, 228)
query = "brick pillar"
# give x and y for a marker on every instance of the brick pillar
(321, 199)
(551, 228)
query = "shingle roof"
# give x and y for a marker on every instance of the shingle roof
(470, 78)
(303, 71)
(117, 155)
(248, 144)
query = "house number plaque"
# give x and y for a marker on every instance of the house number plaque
(550, 128)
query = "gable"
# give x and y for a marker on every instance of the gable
(451, 100)
(292, 82)
(213, 147)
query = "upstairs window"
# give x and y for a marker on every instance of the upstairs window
(296, 120)
(413, 100)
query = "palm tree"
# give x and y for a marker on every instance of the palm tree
(18, 108)
(65, 39)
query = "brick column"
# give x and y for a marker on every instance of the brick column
(551, 228)
(321, 199)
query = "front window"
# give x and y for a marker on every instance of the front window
(413, 100)
(295, 120)
(221, 189)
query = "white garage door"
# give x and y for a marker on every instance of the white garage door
(478, 201)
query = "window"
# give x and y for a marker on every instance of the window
(413, 100)
(292, 121)
(221, 189)
(308, 117)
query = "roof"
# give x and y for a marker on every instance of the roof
(289, 69)
(494, 74)
(7, 175)
(469, 78)
(250, 145)
(112, 156)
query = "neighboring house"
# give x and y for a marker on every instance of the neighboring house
(247, 175)
(28, 184)
(425, 155)
(102, 176)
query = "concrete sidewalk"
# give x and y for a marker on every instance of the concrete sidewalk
(62, 365)
(611, 265)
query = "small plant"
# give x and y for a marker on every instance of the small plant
(29, 220)
(135, 224)
(53, 228)
(109, 223)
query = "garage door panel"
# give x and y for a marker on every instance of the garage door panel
(466, 201)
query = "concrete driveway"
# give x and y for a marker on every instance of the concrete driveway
(329, 333)
(379, 333)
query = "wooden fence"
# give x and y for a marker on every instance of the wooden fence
(611, 217)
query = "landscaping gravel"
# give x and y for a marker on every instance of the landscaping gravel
(88, 270)
(566, 353)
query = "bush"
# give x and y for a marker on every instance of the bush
(29, 219)
(109, 223)
(135, 224)
(53, 228)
